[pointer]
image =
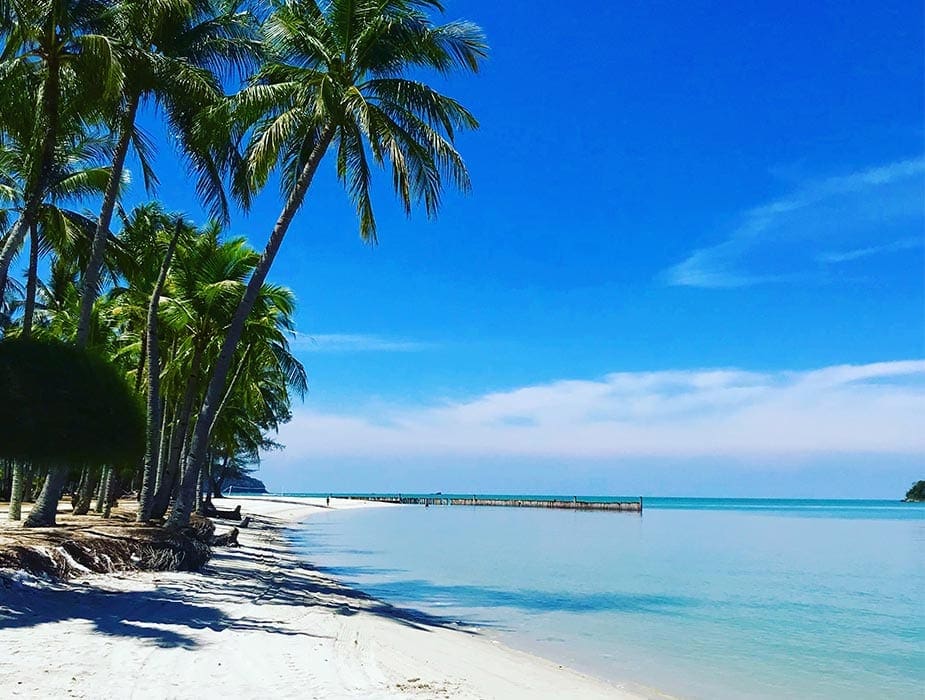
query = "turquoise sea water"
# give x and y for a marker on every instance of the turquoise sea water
(701, 598)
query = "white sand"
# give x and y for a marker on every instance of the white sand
(257, 623)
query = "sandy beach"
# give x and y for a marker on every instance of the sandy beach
(256, 622)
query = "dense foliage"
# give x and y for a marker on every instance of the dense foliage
(64, 405)
(183, 314)
(917, 492)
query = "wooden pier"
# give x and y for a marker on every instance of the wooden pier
(563, 504)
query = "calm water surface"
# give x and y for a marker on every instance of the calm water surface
(702, 598)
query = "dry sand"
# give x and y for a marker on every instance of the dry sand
(256, 623)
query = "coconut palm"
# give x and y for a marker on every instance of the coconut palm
(258, 393)
(75, 174)
(204, 286)
(152, 450)
(59, 51)
(173, 53)
(337, 76)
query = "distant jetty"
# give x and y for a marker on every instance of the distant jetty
(456, 500)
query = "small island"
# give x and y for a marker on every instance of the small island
(916, 494)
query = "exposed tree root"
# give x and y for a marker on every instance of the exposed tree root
(68, 552)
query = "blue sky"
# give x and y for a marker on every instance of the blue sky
(659, 190)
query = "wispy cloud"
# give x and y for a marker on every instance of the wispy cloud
(845, 409)
(788, 238)
(356, 342)
(858, 253)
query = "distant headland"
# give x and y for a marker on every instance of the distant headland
(916, 494)
(243, 484)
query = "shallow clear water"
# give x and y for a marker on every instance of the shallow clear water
(705, 598)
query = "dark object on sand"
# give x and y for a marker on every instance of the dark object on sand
(229, 539)
(212, 512)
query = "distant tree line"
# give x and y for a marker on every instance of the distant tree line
(917, 492)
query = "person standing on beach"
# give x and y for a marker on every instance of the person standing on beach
(327, 501)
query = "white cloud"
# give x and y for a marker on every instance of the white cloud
(356, 342)
(902, 244)
(788, 238)
(845, 409)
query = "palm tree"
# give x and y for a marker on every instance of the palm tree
(151, 347)
(174, 53)
(336, 76)
(203, 288)
(55, 49)
(257, 396)
(75, 175)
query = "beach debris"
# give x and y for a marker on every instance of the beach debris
(214, 512)
(62, 553)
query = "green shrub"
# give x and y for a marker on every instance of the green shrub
(63, 406)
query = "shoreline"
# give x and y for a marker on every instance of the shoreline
(259, 620)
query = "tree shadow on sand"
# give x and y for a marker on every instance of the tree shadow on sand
(158, 617)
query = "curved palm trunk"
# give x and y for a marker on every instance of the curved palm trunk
(51, 96)
(183, 507)
(152, 451)
(46, 505)
(31, 279)
(91, 275)
(2, 288)
(45, 508)
(16, 492)
(18, 234)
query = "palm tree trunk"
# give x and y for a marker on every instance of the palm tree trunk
(229, 388)
(45, 508)
(2, 285)
(217, 484)
(140, 369)
(75, 493)
(51, 94)
(28, 479)
(152, 451)
(177, 441)
(85, 492)
(180, 514)
(200, 503)
(91, 275)
(16, 492)
(109, 486)
(31, 279)
(46, 505)
(166, 418)
(101, 489)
